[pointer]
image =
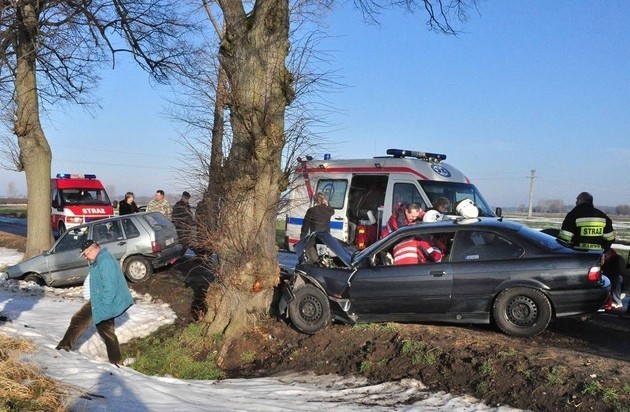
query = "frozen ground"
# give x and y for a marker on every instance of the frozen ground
(41, 314)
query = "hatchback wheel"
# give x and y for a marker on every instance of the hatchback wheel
(522, 311)
(33, 277)
(138, 269)
(310, 310)
(61, 228)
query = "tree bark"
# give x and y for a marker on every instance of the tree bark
(253, 54)
(35, 153)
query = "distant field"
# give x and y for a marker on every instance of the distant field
(621, 224)
(13, 210)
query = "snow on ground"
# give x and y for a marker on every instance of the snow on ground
(42, 314)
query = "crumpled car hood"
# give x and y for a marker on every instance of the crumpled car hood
(307, 252)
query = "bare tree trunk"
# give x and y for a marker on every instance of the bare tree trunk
(35, 154)
(253, 53)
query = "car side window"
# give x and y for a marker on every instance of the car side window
(101, 233)
(476, 245)
(115, 230)
(130, 229)
(72, 240)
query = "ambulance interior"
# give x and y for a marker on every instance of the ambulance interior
(365, 198)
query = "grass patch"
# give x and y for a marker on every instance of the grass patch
(486, 369)
(22, 386)
(556, 375)
(609, 395)
(382, 327)
(365, 366)
(420, 353)
(13, 211)
(508, 353)
(185, 353)
(248, 356)
(280, 232)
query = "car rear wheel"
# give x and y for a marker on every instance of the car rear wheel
(61, 228)
(34, 277)
(138, 269)
(522, 311)
(309, 311)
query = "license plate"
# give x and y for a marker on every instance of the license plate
(169, 241)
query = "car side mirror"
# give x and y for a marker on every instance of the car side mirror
(115, 204)
(55, 203)
(498, 212)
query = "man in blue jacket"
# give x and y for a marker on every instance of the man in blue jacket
(108, 297)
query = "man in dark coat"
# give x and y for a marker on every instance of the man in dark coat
(317, 217)
(183, 220)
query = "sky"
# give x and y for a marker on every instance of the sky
(42, 314)
(523, 87)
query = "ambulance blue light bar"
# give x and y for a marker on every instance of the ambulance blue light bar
(75, 176)
(430, 157)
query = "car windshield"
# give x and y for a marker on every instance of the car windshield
(72, 239)
(456, 192)
(77, 196)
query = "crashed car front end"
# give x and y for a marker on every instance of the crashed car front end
(324, 263)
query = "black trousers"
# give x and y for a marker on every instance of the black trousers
(80, 323)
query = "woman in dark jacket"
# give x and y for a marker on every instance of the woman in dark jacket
(128, 206)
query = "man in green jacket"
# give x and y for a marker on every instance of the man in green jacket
(108, 297)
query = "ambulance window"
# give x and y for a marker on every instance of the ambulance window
(408, 193)
(334, 190)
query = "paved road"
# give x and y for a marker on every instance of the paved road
(13, 225)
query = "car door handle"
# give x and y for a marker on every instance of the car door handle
(339, 218)
(437, 273)
(121, 243)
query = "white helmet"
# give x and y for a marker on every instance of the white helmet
(467, 209)
(432, 216)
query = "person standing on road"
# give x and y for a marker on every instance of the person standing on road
(108, 297)
(128, 205)
(587, 227)
(159, 204)
(184, 220)
(317, 217)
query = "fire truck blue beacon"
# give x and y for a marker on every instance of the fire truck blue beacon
(365, 192)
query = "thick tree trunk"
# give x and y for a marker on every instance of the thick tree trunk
(253, 53)
(35, 154)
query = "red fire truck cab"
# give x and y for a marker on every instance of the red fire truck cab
(77, 199)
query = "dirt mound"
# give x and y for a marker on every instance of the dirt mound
(576, 364)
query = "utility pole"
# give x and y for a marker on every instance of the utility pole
(532, 176)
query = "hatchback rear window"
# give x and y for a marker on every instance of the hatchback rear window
(157, 220)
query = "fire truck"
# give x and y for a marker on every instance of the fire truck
(77, 199)
(365, 192)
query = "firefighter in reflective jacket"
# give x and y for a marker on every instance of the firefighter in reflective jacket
(587, 227)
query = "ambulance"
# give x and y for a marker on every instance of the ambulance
(77, 199)
(365, 192)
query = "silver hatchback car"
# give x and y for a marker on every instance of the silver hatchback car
(141, 242)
